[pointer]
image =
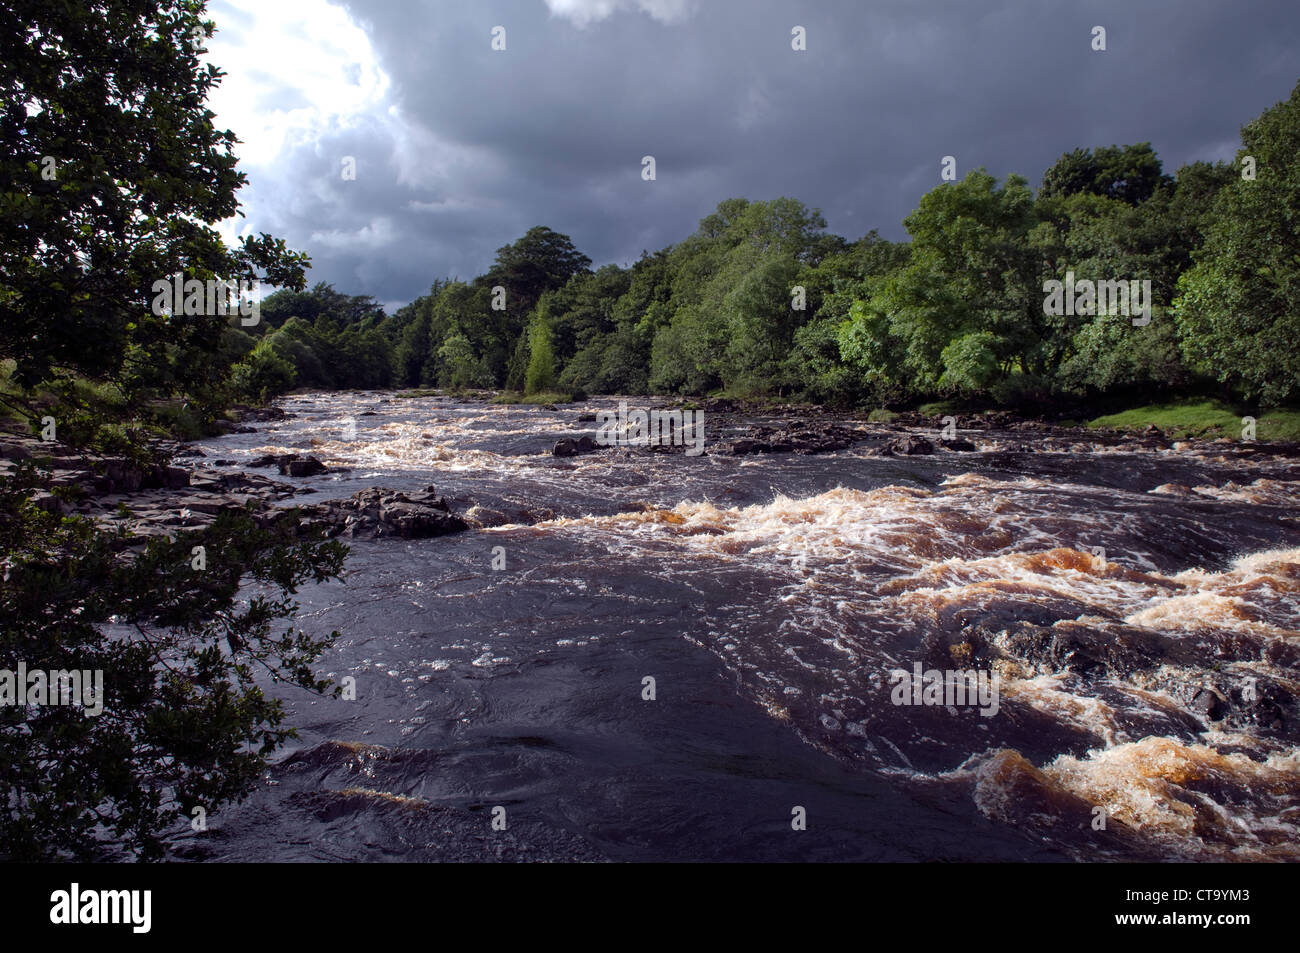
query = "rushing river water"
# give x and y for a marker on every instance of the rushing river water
(1146, 695)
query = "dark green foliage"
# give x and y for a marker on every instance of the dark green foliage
(1126, 173)
(967, 307)
(1239, 311)
(264, 373)
(184, 723)
(109, 98)
(112, 93)
(957, 312)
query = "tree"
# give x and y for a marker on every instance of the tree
(1127, 173)
(263, 373)
(840, 279)
(761, 323)
(459, 367)
(111, 178)
(1111, 355)
(1238, 309)
(111, 174)
(693, 345)
(541, 357)
(322, 299)
(538, 262)
(970, 363)
(183, 721)
(971, 269)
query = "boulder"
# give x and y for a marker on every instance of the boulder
(289, 464)
(909, 445)
(482, 516)
(571, 448)
(379, 511)
(303, 467)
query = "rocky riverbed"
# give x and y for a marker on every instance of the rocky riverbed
(182, 489)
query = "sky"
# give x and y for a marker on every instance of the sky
(390, 141)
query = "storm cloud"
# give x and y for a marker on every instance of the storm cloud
(459, 148)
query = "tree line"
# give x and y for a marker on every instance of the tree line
(761, 301)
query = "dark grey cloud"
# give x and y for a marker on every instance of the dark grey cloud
(552, 130)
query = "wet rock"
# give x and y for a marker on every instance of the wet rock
(176, 478)
(50, 503)
(803, 438)
(910, 445)
(482, 516)
(959, 445)
(15, 448)
(1210, 703)
(572, 448)
(379, 511)
(157, 500)
(586, 417)
(1100, 651)
(289, 464)
(306, 466)
(244, 412)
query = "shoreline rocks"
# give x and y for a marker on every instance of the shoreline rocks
(161, 498)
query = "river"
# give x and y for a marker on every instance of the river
(1140, 610)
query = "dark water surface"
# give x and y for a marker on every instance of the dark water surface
(770, 597)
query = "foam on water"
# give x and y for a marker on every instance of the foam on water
(864, 578)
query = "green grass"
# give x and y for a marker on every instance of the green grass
(94, 396)
(1206, 418)
(942, 408)
(546, 397)
(175, 418)
(881, 416)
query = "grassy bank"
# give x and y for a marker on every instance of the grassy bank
(546, 397)
(1205, 418)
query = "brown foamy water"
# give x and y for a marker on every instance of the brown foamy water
(1140, 611)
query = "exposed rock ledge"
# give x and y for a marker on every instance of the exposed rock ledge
(160, 499)
(378, 511)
